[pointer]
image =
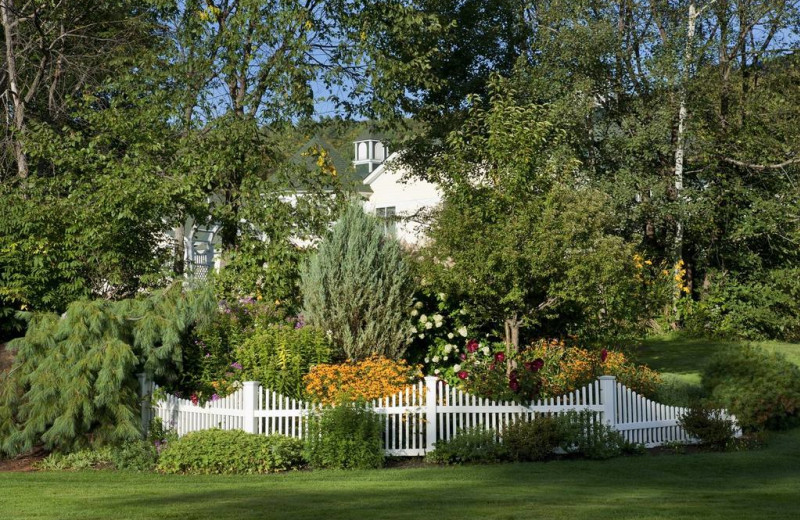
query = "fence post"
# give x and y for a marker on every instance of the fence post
(430, 412)
(144, 393)
(608, 398)
(249, 402)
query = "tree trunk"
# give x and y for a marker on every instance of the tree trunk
(178, 264)
(10, 21)
(511, 339)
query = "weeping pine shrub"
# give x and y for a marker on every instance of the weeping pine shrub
(359, 287)
(74, 377)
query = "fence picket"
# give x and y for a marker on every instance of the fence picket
(419, 415)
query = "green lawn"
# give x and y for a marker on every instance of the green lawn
(757, 484)
(682, 359)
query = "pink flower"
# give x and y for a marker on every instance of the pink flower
(603, 355)
(463, 356)
(472, 346)
(499, 357)
(463, 374)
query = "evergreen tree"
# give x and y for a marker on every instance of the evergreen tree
(74, 378)
(359, 287)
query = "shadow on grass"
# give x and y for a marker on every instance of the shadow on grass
(759, 484)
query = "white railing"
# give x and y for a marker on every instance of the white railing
(422, 414)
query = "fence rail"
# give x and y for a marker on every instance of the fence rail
(422, 414)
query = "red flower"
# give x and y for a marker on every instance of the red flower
(538, 364)
(514, 385)
(499, 357)
(491, 367)
(514, 374)
(463, 356)
(462, 374)
(528, 366)
(195, 399)
(472, 346)
(603, 355)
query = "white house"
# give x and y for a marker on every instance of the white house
(403, 201)
(387, 190)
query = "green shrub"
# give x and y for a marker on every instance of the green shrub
(761, 389)
(674, 391)
(766, 305)
(476, 445)
(532, 440)
(230, 451)
(280, 355)
(83, 459)
(710, 426)
(582, 433)
(359, 287)
(347, 436)
(135, 456)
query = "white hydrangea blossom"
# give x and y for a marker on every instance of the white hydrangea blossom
(418, 305)
(428, 325)
(435, 359)
(414, 312)
(423, 319)
(427, 359)
(463, 331)
(450, 335)
(436, 371)
(486, 351)
(456, 368)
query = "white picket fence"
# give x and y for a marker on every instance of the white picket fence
(422, 414)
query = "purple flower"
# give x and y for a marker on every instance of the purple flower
(236, 365)
(300, 322)
(214, 397)
(208, 354)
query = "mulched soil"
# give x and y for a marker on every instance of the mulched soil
(23, 463)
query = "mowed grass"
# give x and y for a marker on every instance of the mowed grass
(754, 484)
(682, 358)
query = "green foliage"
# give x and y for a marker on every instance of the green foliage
(761, 389)
(345, 436)
(533, 440)
(524, 242)
(764, 306)
(230, 452)
(139, 456)
(280, 355)
(210, 355)
(582, 433)
(74, 376)
(358, 287)
(709, 425)
(77, 460)
(475, 445)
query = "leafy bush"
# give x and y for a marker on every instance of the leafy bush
(765, 305)
(82, 459)
(709, 425)
(761, 389)
(135, 456)
(478, 445)
(533, 440)
(230, 451)
(582, 433)
(547, 368)
(280, 355)
(210, 355)
(347, 436)
(369, 379)
(359, 286)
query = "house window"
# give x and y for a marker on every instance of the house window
(387, 215)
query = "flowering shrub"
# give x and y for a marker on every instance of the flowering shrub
(568, 367)
(372, 378)
(547, 368)
(211, 368)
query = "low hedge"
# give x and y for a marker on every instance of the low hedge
(230, 451)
